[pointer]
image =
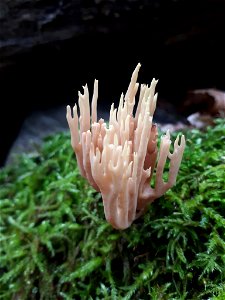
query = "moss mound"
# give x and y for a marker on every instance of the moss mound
(56, 244)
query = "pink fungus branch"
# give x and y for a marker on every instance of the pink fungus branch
(119, 159)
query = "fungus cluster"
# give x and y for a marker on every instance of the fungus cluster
(119, 158)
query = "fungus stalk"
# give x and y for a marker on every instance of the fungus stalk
(119, 159)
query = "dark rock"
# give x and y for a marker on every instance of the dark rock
(49, 49)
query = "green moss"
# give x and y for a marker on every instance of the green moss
(56, 244)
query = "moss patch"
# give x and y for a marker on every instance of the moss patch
(56, 244)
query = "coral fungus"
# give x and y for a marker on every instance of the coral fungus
(119, 159)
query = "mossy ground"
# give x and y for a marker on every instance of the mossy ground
(56, 244)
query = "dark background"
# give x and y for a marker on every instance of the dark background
(49, 49)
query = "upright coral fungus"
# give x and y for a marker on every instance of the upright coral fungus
(119, 159)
